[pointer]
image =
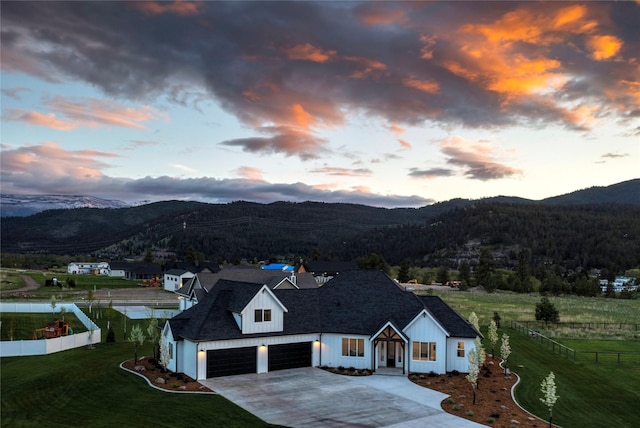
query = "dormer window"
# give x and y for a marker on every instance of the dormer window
(262, 315)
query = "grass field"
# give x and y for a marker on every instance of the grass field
(10, 279)
(603, 394)
(21, 326)
(86, 387)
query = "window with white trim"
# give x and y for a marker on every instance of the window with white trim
(461, 349)
(424, 351)
(262, 315)
(352, 347)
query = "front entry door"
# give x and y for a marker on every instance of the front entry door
(391, 354)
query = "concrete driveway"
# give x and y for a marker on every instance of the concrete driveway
(311, 397)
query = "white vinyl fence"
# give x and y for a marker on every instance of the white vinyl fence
(17, 348)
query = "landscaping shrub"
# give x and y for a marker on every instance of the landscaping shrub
(111, 335)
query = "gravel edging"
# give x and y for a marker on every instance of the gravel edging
(163, 389)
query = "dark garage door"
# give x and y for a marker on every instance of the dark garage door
(227, 362)
(289, 356)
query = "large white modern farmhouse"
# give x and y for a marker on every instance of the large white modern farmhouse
(360, 319)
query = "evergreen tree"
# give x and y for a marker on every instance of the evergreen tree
(546, 311)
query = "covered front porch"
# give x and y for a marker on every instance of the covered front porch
(390, 346)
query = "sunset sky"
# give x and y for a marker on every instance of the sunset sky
(383, 103)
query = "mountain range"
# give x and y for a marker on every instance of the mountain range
(14, 205)
(595, 227)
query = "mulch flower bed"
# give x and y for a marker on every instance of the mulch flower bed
(494, 405)
(153, 371)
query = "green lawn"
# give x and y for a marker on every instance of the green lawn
(21, 326)
(592, 394)
(85, 387)
(10, 279)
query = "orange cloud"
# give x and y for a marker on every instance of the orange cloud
(396, 129)
(301, 117)
(405, 143)
(34, 118)
(94, 113)
(378, 14)
(368, 66)
(250, 173)
(49, 161)
(477, 159)
(308, 52)
(345, 172)
(428, 86)
(178, 7)
(603, 47)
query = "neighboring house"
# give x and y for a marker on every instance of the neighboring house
(143, 271)
(176, 278)
(360, 319)
(323, 271)
(88, 268)
(177, 274)
(118, 269)
(620, 284)
(195, 289)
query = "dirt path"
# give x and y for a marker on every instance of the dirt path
(30, 285)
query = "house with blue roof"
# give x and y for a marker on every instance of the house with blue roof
(359, 319)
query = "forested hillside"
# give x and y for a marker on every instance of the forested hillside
(571, 236)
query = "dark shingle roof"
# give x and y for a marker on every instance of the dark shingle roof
(356, 302)
(330, 268)
(450, 320)
(360, 302)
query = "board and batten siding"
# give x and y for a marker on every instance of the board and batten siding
(455, 362)
(425, 329)
(264, 299)
(332, 351)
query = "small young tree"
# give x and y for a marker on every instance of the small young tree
(549, 397)
(492, 334)
(110, 313)
(505, 351)
(474, 371)
(53, 303)
(546, 311)
(111, 335)
(473, 319)
(165, 355)
(63, 310)
(137, 337)
(154, 334)
(90, 299)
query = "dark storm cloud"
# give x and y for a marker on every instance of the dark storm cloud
(49, 169)
(407, 62)
(431, 173)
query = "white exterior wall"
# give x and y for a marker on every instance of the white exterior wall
(426, 329)
(453, 361)
(174, 282)
(116, 273)
(88, 268)
(263, 300)
(332, 351)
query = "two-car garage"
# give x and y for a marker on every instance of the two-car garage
(235, 361)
